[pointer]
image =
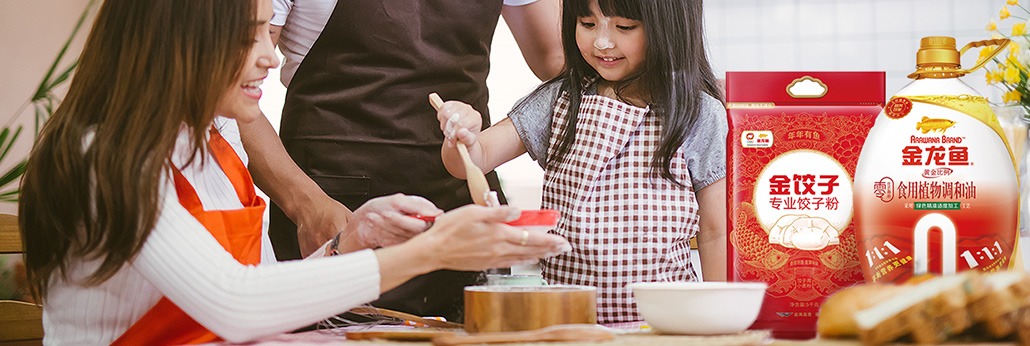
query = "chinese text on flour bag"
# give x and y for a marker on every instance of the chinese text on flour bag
(793, 143)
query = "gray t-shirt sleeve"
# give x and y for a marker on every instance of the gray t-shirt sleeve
(704, 148)
(705, 145)
(532, 119)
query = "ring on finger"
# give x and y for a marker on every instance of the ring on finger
(525, 238)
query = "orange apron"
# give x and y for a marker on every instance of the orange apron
(238, 231)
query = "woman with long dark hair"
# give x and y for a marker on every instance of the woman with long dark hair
(141, 224)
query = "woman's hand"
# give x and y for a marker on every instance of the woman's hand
(459, 122)
(468, 238)
(475, 238)
(384, 221)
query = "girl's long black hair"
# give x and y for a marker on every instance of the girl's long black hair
(674, 74)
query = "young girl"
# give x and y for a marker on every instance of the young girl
(140, 221)
(632, 140)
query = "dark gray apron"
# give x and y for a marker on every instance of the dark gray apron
(357, 118)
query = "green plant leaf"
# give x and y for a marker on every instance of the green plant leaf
(63, 76)
(3, 138)
(45, 85)
(10, 196)
(5, 145)
(49, 107)
(40, 114)
(13, 173)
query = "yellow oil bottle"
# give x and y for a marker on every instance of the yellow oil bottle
(935, 185)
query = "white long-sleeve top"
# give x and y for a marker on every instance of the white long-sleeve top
(182, 261)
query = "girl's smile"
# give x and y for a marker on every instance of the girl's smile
(609, 62)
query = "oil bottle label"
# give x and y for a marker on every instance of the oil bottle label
(933, 191)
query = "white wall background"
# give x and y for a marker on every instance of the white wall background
(843, 35)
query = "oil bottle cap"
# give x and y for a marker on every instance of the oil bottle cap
(937, 57)
(937, 51)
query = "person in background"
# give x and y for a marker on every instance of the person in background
(356, 124)
(140, 221)
(631, 137)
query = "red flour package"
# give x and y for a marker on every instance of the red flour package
(793, 144)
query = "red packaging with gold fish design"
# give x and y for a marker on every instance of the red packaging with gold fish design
(794, 140)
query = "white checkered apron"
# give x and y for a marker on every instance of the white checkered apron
(624, 223)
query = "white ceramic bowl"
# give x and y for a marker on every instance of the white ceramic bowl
(699, 307)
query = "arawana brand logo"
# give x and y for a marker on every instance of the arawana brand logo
(927, 125)
(943, 150)
(942, 139)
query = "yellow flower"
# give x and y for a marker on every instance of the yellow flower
(1004, 12)
(1011, 73)
(1012, 96)
(991, 26)
(1012, 2)
(984, 52)
(999, 76)
(994, 77)
(1019, 29)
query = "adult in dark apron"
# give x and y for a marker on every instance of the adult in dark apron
(357, 118)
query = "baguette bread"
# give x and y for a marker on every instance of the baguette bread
(999, 310)
(933, 310)
(837, 313)
(1023, 327)
(930, 312)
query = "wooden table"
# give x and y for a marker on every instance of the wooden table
(636, 338)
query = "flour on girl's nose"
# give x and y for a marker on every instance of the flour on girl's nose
(603, 31)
